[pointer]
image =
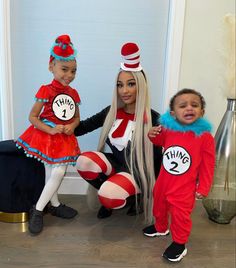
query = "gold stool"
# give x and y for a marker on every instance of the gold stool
(14, 217)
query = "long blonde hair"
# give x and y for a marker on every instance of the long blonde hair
(140, 160)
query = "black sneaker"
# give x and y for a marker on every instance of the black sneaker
(175, 252)
(152, 232)
(35, 221)
(104, 212)
(62, 211)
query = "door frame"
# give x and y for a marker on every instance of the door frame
(173, 51)
(6, 96)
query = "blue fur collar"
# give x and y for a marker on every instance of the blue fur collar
(198, 127)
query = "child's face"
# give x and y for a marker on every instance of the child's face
(63, 71)
(187, 108)
(126, 88)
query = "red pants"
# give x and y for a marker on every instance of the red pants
(176, 205)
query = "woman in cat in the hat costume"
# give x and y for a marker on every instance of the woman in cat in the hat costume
(50, 138)
(124, 177)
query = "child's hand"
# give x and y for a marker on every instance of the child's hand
(199, 196)
(154, 131)
(69, 129)
(57, 129)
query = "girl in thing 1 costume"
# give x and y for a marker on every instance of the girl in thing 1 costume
(51, 138)
(187, 169)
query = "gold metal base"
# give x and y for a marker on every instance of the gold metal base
(14, 217)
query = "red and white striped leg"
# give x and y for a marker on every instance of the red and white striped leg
(90, 164)
(115, 190)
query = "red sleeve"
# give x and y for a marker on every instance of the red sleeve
(76, 97)
(207, 165)
(42, 94)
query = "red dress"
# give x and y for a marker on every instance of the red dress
(59, 108)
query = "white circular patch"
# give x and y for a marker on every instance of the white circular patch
(63, 107)
(176, 160)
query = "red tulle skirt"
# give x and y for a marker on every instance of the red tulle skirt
(58, 149)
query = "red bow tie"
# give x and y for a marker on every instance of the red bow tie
(121, 114)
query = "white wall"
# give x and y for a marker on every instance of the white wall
(98, 29)
(203, 64)
(98, 32)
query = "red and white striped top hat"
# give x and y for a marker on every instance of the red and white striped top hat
(131, 57)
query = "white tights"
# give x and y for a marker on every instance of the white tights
(54, 176)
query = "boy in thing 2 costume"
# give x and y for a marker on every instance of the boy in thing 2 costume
(187, 169)
(51, 138)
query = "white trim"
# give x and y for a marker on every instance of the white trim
(131, 56)
(173, 50)
(131, 69)
(73, 184)
(6, 73)
(131, 61)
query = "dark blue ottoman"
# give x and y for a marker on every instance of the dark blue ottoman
(21, 179)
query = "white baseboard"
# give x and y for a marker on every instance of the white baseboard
(73, 184)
